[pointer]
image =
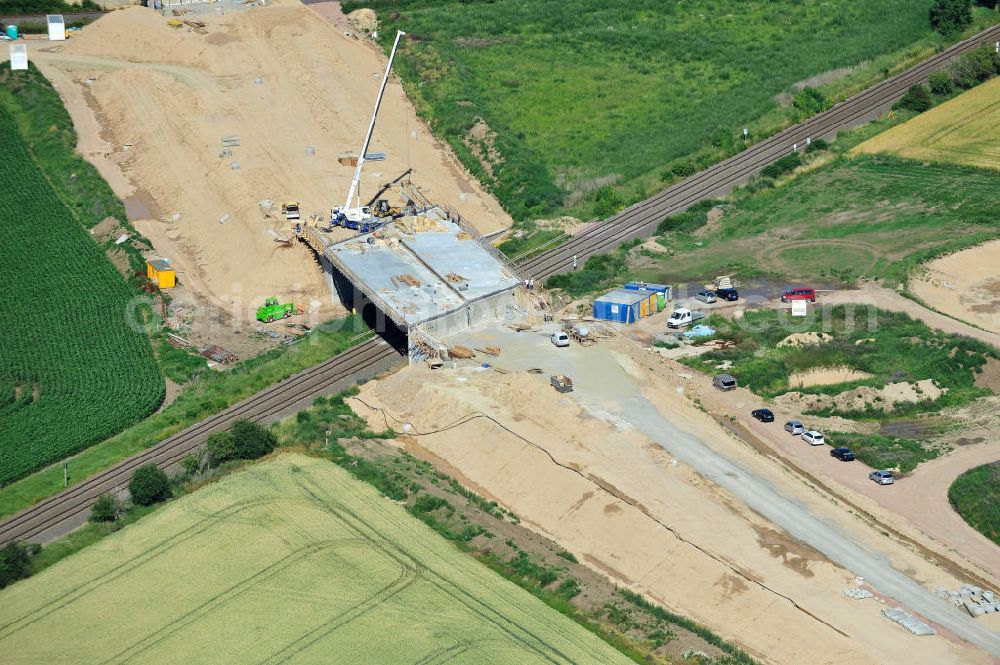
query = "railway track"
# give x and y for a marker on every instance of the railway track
(363, 361)
(641, 218)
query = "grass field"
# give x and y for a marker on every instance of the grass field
(976, 496)
(548, 100)
(73, 370)
(289, 561)
(869, 216)
(959, 131)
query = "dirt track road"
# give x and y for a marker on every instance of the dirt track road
(870, 294)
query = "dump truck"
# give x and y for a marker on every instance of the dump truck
(683, 317)
(561, 383)
(290, 210)
(272, 310)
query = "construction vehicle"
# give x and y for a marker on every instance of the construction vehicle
(272, 311)
(290, 210)
(683, 317)
(352, 214)
(561, 383)
(383, 209)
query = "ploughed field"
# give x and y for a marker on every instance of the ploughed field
(292, 560)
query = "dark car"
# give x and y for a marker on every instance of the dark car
(763, 415)
(728, 294)
(843, 454)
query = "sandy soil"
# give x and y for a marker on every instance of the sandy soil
(151, 105)
(823, 376)
(965, 285)
(584, 470)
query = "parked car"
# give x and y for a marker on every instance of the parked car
(763, 415)
(705, 296)
(682, 317)
(882, 477)
(560, 338)
(798, 293)
(843, 454)
(728, 294)
(724, 382)
(813, 438)
(795, 427)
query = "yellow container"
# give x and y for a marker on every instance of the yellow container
(160, 272)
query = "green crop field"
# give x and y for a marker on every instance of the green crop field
(547, 100)
(72, 371)
(292, 560)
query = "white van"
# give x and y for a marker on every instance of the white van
(560, 338)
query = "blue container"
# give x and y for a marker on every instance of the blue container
(646, 286)
(12, 31)
(620, 305)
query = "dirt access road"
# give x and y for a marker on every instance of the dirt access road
(630, 475)
(872, 294)
(151, 105)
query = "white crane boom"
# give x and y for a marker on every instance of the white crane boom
(347, 210)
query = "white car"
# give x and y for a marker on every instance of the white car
(813, 438)
(882, 477)
(560, 338)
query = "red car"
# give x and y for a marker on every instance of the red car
(788, 295)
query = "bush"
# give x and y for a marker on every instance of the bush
(105, 509)
(917, 98)
(784, 165)
(191, 464)
(941, 83)
(149, 484)
(244, 440)
(950, 16)
(252, 440)
(817, 145)
(810, 101)
(607, 201)
(14, 564)
(221, 447)
(978, 66)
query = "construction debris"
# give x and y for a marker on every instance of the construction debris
(972, 598)
(219, 354)
(408, 279)
(462, 352)
(230, 141)
(908, 621)
(490, 350)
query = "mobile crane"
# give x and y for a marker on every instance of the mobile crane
(352, 214)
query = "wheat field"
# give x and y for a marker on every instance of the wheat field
(962, 130)
(290, 561)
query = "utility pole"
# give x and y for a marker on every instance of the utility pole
(66, 474)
